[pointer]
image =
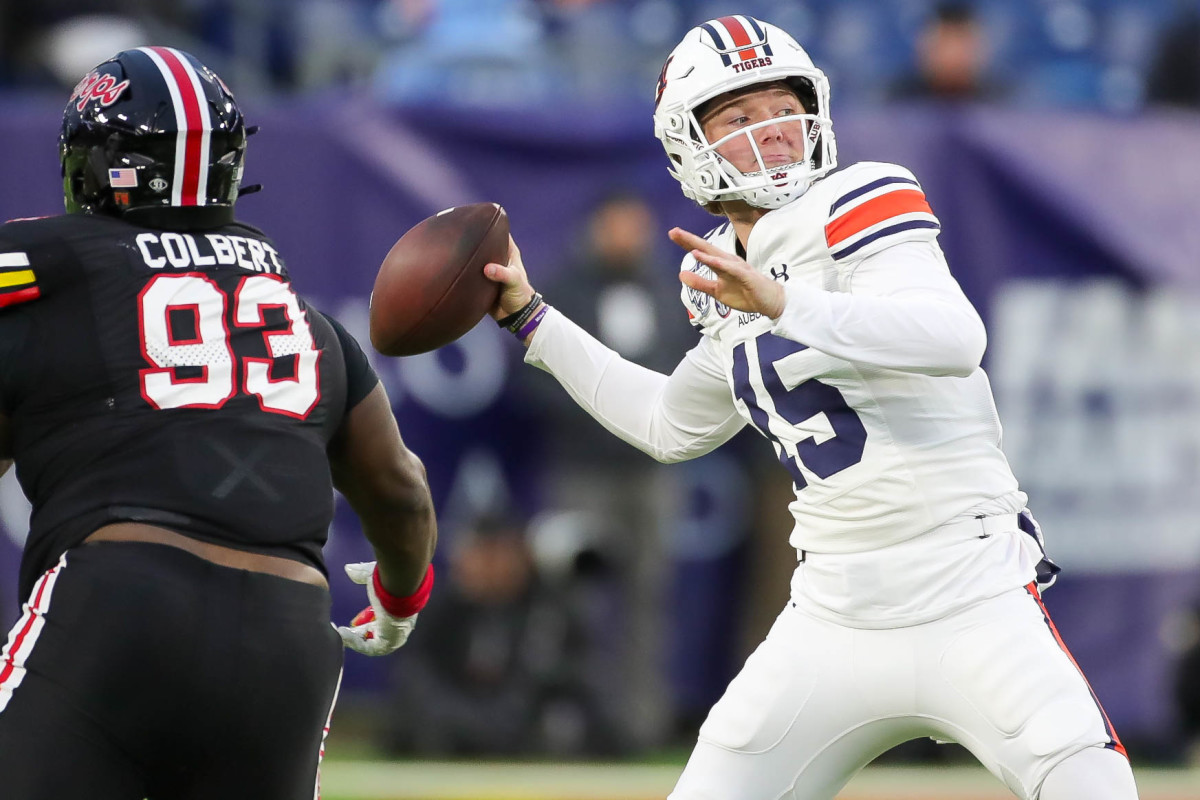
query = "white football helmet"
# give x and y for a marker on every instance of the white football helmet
(722, 55)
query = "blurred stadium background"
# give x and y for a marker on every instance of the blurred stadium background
(594, 605)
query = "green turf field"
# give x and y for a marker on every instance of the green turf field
(429, 780)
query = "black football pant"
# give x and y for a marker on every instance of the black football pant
(141, 671)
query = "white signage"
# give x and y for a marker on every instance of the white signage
(1098, 387)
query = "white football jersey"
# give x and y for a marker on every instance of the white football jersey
(884, 439)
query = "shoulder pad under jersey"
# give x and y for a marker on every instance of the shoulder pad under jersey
(874, 206)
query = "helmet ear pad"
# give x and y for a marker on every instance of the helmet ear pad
(85, 176)
(805, 91)
(95, 174)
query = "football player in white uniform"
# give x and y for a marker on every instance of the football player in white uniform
(831, 323)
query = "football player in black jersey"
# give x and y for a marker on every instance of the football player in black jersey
(178, 417)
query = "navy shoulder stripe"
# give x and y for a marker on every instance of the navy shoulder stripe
(870, 187)
(899, 227)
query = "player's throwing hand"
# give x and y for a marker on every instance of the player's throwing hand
(737, 285)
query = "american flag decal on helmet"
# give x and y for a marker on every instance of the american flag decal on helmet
(738, 35)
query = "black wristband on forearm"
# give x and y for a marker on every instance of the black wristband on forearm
(526, 314)
(514, 321)
(504, 322)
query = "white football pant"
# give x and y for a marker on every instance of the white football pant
(817, 701)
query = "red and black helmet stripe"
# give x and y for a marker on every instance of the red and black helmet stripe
(189, 186)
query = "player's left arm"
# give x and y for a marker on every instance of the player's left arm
(27, 272)
(5, 424)
(386, 486)
(898, 308)
(904, 311)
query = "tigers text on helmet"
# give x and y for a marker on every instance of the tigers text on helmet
(724, 55)
(154, 136)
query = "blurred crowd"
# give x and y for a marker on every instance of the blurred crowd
(1114, 55)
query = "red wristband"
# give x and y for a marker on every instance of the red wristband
(404, 606)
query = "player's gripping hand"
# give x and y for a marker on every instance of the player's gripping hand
(376, 631)
(515, 289)
(737, 285)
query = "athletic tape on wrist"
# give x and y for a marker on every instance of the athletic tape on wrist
(404, 606)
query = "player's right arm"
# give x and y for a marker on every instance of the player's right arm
(670, 418)
(5, 445)
(19, 285)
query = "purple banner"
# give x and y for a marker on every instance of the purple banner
(1020, 196)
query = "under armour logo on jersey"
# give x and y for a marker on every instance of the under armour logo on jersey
(780, 274)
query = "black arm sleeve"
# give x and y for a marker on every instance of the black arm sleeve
(360, 377)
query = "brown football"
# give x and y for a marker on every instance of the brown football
(430, 289)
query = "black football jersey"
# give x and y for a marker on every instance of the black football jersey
(168, 377)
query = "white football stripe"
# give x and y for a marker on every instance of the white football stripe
(25, 633)
(206, 128)
(325, 733)
(192, 91)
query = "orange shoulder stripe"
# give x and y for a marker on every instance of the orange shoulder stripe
(872, 212)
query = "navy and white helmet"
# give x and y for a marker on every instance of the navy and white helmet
(722, 55)
(149, 130)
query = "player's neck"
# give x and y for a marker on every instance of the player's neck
(743, 217)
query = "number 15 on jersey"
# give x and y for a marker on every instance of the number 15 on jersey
(795, 409)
